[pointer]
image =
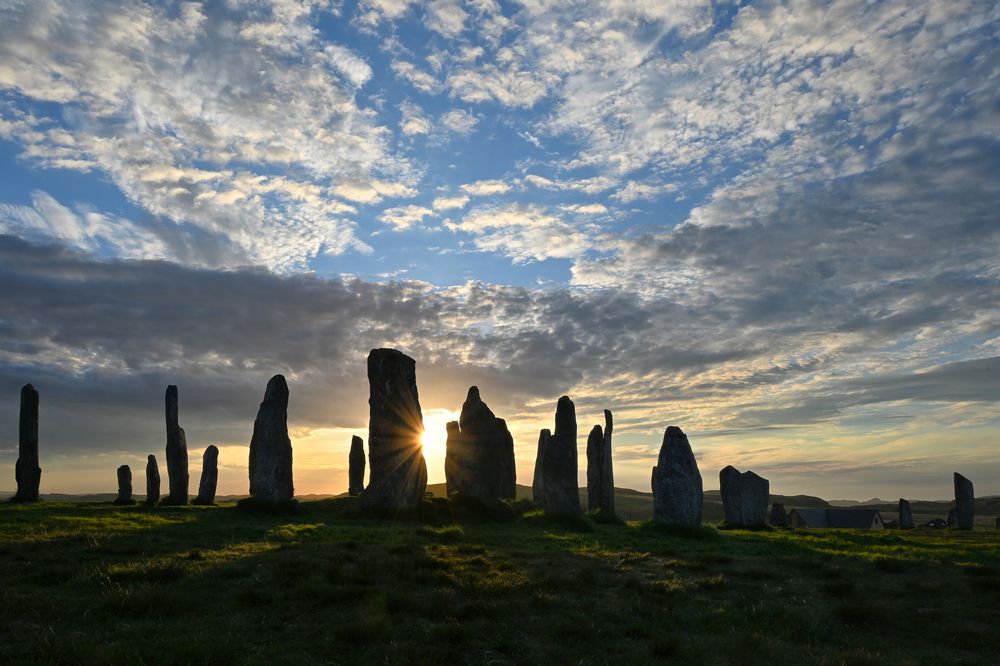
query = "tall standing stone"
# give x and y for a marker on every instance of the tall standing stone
(27, 473)
(124, 486)
(965, 501)
(479, 461)
(559, 467)
(397, 478)
(607, 500)
(356, 467)
(744, 497)
(677, 486)
(595, 450)
(538, 480)
(177, 454)
(270, 447)
(152, 481)
(209, 476)
(905, 515)
(779, 517)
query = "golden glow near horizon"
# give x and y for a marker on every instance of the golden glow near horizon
(434, 439)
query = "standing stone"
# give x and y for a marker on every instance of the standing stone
(397, 479)
(559, 466)
(356, 467)
(607, 499)
(677, 487)
(951, 517)
(27, 473)
(124, 486)
(779, 517)
(744, 497)
(905, 515)
(998, 522)
(177, 454)
(595, 449)
(209, 476)
(152, 481)
(479, 462)
(538, 482)
(270, 447)
(964, 502)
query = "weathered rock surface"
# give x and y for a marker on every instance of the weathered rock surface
(356, 467)
(965, 500)
(744, 497)
(398, 473)
(559, 466)
(677, 485)
(479, 462)
(538, 481)
(600, 474)
(905, 515)
(177, 454)
(152, 481)
(124, 486)
(779, 517)
(270, 447)
(27, 473)
(952, 522)
(209, 476)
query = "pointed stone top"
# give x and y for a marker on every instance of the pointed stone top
(277, 389)
(212, 452)
(959, 477)
(357, 441)
(171, 388)
(608, 421)
(473, 395)
(565, 416)
(673, 431)
(151, 458)
(597, 431)
(544, 433)
(28, 387)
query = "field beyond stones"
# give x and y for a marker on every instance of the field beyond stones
(94, 583)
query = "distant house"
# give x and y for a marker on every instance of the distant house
(858, 519)
(936, 524)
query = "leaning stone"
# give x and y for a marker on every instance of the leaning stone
(397, 478)
(779, 517)
(124, 486)
(538, 482)
(177, 455)
(677, 486)
(27, 473)
(965, 503)
(356, 467)
(152, 481)
(905, 515)
(559, 467)
(270, 447)
(209, 476)
(744, 497)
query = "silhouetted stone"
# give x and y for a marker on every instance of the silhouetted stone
(998, 522)
(27, 473)
(951, 517)
(152, 481)
(965, 500)
(905, 515)
(559, 466)
(209, 476)
(270, 447)
(779, 517)
(397, 478)
(356, 467)
(538, 481)
(600, 476)
(607, 499)
(676, 482)
(124, 486)
(744, 497)
(177, 454)
(479, 460)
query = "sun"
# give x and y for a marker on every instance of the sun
(434, 440)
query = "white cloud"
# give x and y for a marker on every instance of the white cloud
(450, 203)
(445, 17)
(414, 122)
(415, 76)
(459, 121)
(404, 217)
(372, 191)
(635, 190)
(482, 188)
(523, 233)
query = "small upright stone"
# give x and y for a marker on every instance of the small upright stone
(677, 486)
(124, 486)
(177, 454)
(270, 447)
(152, 481)
(559, 467)
(397, 479)
(209, 476)
(538, 482)
(779, 517)
(744, 497)
(507, 482)
(905, 515)
(965, 501)
(356, 467)
(27, 473)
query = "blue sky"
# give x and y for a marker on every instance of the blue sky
(773, 224)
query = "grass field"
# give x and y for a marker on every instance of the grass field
(93, 583)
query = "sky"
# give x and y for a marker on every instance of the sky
(773, 224)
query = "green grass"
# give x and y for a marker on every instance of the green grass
(95, 584)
